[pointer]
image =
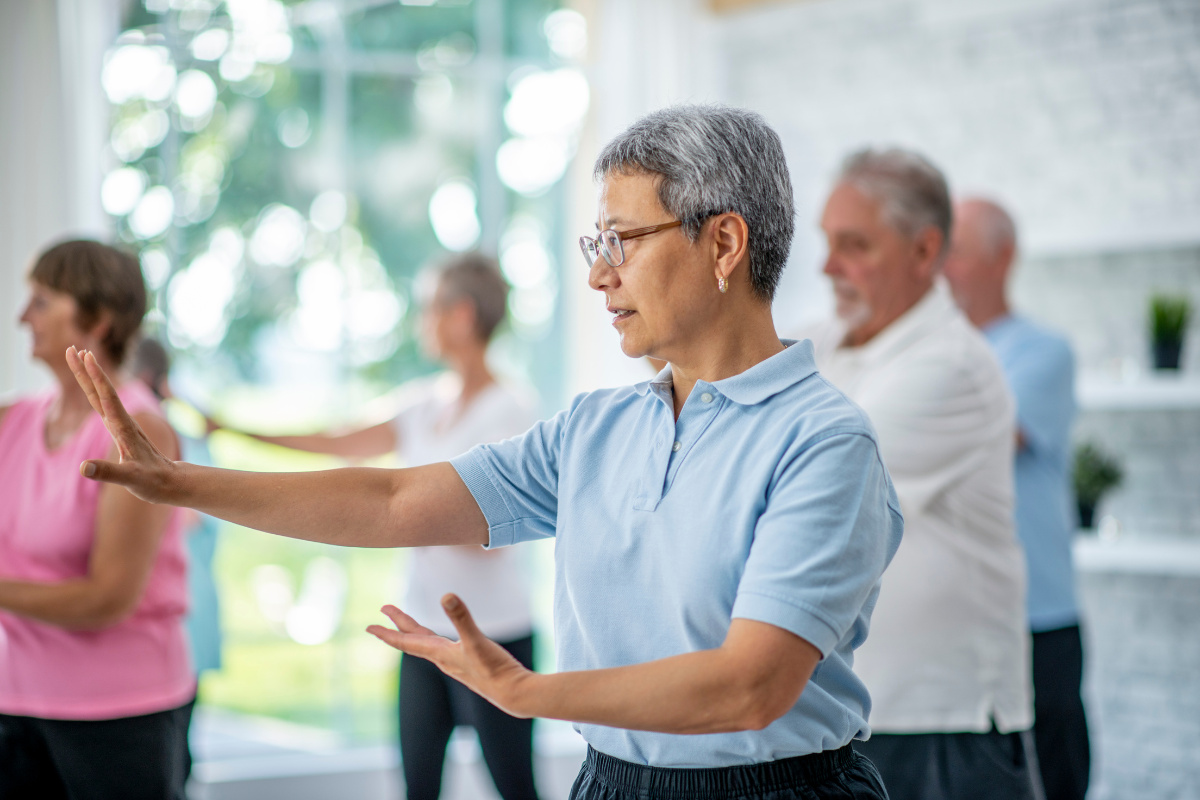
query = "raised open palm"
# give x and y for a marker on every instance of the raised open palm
(480, 664)
(142, 468)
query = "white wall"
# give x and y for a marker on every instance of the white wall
(52, 130)
(1082, 116)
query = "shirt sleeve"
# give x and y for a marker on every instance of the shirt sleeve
(515, 482)
(830, 527)
(938, 420)
(1042, 379)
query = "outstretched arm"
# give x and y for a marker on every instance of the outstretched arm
(376, 440)
(752, 679)
(352, 507)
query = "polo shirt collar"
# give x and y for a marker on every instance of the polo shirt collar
(929, 312)
(765, 379)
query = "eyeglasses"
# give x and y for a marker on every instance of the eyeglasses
(608, 243)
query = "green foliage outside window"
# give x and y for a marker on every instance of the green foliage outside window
(285, 170)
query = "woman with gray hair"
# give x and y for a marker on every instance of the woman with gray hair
(720, 531)
(440, 418)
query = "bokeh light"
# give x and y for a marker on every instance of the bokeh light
(328, 211)
(210, 45)
(567, 33)
(531, 166)
(153, 213)
(199, 297)
(195, 94)
(156, 267)
(138, 71)
(278, 238)
(292, 127)
(317, 321)
(452, 212)
(121, 190)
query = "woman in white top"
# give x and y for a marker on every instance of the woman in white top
(444, 417)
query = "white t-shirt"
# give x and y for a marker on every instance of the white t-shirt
(949, 648)
(433, 428)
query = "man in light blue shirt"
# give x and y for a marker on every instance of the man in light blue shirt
(1040, 369)
(720, 532)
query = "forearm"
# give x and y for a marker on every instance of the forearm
(355, 507)
(76, 604)
(701, 692)
(370, 442)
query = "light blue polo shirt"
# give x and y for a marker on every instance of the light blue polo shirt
(1040, 369)
(766, 500)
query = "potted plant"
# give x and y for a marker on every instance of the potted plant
(1095, 474)
(1169, 315)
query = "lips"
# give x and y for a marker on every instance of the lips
(620, 314)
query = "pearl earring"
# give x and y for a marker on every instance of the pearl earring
(722, 285)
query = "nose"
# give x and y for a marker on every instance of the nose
(603, 275)
(833, 267)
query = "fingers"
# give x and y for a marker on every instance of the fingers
(431, 647)
(464, 623)
(404, 622)
(111, 408)
(75, 362)
(105, 471)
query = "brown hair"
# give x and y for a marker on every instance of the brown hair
(476, 278)
(99, 278)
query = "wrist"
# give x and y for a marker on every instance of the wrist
(521, 694)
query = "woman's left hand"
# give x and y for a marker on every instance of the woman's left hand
(480, 664)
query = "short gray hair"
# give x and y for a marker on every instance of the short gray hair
(477, 279)
(910, 189)
(712, 159)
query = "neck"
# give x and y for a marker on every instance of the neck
(744, 335)
(471, 367)
(986, 310)
(72, 402)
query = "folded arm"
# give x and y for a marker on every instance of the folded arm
(128, 532)
(356, 507)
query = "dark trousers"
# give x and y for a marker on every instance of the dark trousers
(432, 704)
(1060, 725)
(832, 775)
(132, 758)
(954, 766)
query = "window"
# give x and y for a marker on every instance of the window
(285, 170)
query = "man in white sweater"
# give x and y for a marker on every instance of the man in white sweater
(947, 662)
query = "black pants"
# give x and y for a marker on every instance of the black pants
(953, 766)
(832, 775)
(1060, 725)
(114, 759)
(432, 704)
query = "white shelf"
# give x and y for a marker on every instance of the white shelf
(1151, 392)
(1143, 556)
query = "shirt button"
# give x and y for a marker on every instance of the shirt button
(706, 397)
(675, 447)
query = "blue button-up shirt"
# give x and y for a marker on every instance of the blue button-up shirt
(766, 500)
(1040, 369)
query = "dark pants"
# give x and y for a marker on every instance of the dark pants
(432, 704)
(832, 775)
(954, 766)
(113, 759)
(1060, 725)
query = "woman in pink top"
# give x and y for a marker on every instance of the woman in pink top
(95, 684)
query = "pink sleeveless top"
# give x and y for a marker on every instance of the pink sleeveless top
(47, 524)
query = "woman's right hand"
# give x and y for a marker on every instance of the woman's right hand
(142, 468)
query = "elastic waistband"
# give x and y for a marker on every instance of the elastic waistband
(797, 772)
